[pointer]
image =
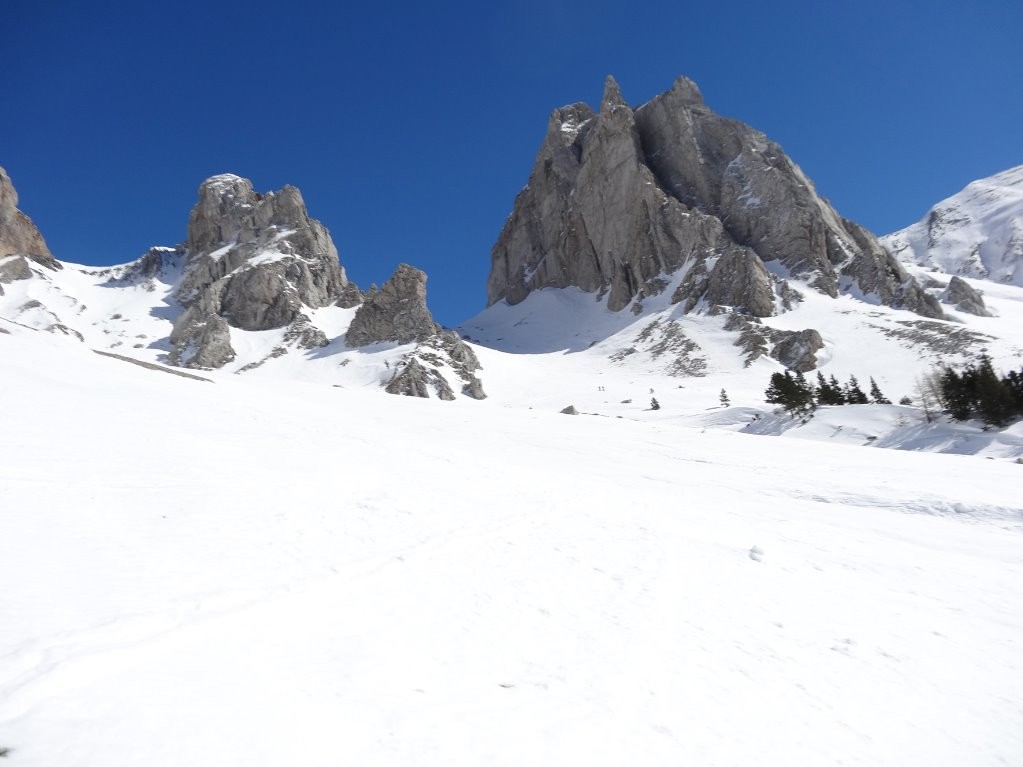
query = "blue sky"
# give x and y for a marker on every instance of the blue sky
(410, 127)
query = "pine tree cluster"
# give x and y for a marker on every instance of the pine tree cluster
(800, 398)
(978, 392)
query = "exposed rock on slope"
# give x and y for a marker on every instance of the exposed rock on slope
(619, 198)
(254, 261)
(396, 312)
(20, 240)
(415, 380)
(977, 232)
(964, 298)
(420, 371)
(795, 349)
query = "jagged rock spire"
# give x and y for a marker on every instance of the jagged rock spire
(397, 312)
(612, 95)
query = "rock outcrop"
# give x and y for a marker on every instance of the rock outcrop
(965, 298)
(620, 198)
(254, 261)
(423, 369)
(396, 313)
(20, 240)
(413, 379)
(795, 349)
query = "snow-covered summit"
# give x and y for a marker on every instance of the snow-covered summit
(977, 232)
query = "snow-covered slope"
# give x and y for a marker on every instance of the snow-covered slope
(977, 232)
(563, 347)
(556, 348)
(130, 309)
(269, 572)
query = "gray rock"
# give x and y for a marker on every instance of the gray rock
(570, 410)
(415, 380)
(754, 338)
(737, 278)
(474, 389)
(255, 261)
(877, 272)
(964, 298)
(303, 334)
(395, 313)
(18, 235)
(350, 296)
(620, 197)
(14, 268)
(796, 349)
(447, 349)
(200, 340)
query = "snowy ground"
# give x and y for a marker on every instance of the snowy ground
(260, 572)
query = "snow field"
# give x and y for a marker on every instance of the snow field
(265, 572)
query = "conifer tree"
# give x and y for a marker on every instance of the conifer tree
(956, 391)
(794, 394)
(723, 398)
(836, 389)
(995, 402)
(1014, 383)
(828, 393)
(853, 393)
(875, 394)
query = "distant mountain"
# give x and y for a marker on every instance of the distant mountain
(977, 232)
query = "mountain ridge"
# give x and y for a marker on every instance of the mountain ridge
(257, 289)
(977, 232)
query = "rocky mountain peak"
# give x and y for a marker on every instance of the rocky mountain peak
(612, 98)
(254, 261)
(685, 93)
(619, 201)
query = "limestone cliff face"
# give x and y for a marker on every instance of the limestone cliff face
(619, 197)
(254, 261)
(20, 240)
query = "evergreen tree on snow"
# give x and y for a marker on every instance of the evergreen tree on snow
(828, 393)
(875, 394)
(793, 393)
(836, 387)
(853, 393)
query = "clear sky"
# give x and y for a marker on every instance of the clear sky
(410, 127)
